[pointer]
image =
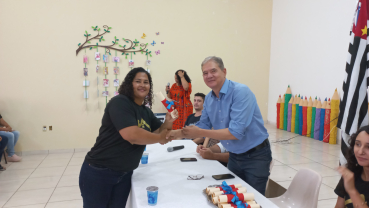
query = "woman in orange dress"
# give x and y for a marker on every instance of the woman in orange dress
(180, 94)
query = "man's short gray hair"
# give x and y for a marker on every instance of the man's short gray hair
(217, 60)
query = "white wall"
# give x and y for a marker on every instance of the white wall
(309, 46)
(41, 77)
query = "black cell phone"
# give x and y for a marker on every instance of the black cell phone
(223, 176)
(189, 159)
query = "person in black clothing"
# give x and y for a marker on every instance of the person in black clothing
(3, 143)
(353, 188)
(127, 126)
(192, 119)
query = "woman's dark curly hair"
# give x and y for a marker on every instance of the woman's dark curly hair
(187, 78)
(126, 88)
(352, 163)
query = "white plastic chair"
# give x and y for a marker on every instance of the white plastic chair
(270, 171)
(303, 191)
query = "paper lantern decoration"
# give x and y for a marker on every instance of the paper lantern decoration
(322, 116)
(278, 110)
(309, 117)
(286, 100)
(317, 120)
(281, 118)
(289, 115)
(335, 105)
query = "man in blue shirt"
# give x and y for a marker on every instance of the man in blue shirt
(233, 113)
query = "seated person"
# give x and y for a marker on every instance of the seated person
(192, 119)
(215, 152)
(353, 188)
(3, 143)
(12, 135)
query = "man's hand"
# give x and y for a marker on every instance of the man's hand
(174, 134)
(1, 138)
(206, 153)
(199, 147)
(191, 131)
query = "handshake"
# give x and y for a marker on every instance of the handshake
(187, 132)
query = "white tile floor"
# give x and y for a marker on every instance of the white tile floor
(304, 152)
(42, 181)
(51, 180)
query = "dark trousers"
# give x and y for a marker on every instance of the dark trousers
(104, 188)
(253, 167)
(3, 144)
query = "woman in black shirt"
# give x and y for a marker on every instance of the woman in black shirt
(353, 188)
(127, 126)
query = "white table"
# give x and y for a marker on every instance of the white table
(166, 171)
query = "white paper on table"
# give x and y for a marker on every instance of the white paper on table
(86, 83)
(86, 94)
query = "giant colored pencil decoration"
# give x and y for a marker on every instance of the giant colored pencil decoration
(286, 100)
(297, 115)
(327, 121)
(293, 116)
(335, 104)
(304, 116)
(317, 120)
(309, 115)
(313, 117)
(281, 118)
(278, 110)
(289, 115)
(301, 117)
(322, 116)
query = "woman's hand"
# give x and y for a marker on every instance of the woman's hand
(169, 118)
(163, 137)
(181, 74)
(167, 89)
(348, 179)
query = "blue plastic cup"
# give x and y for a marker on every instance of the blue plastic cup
(145, 158)
(152, 195)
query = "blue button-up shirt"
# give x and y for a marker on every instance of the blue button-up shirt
(235, 109)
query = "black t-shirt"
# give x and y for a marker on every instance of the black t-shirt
(192, 120)
(110, 149)
(361, 186)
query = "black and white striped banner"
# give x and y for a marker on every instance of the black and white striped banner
(354, 99)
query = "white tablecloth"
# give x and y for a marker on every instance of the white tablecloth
(166, 171)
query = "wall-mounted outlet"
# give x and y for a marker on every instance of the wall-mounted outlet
(50, 128)
(44, 128)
